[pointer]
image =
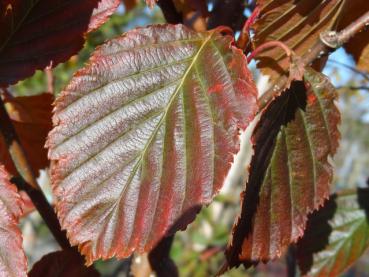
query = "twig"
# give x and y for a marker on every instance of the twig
(244, 39)
(160, 260)
(364, 74)
(353, 87)
(26, 179)
(267, 45)
(321, 47)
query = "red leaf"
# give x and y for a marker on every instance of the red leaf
(298, 24)
(289, 172)
(13, 261)
(140, 143)
(65, 263)
(35, 33)
(31, 117)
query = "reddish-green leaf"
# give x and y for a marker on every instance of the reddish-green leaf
(13, 262)
(145, 134)
(35, 33)
(336, 235)
(31, 117)
(298, 24)
(289, 172)
(65, 263)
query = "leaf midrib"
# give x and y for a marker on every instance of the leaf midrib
(162, 119)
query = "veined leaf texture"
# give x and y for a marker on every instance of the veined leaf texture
(145, 134)
(290, 171)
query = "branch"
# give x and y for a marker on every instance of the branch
(169, 11)
(354, 87)
(328, 42)
(26, 180)
(160, 260)
(364, 74)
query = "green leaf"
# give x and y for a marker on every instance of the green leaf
(145, 134)
(336, 235)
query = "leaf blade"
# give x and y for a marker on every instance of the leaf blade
(13, 261)
(289, 173)
(172, 128)
(336, 235)
(55, 29)
(29, 113)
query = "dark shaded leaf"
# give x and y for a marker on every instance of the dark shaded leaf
(13, 262)
(145, 134)
(336, 235)
(289, 172)
(35, 33)
(65, 263)
(31, 117)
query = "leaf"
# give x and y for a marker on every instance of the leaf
(65, 263)
(145, 135)
(13, 262)
(358, 46)
(55, 30)
(336, 235)
(298, 24)
(101, 14)
(289, 172)
(31, 117)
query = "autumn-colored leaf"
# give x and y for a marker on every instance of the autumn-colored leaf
(336, 235)
(145, 134)
(289, 172)
(101, 14)
(65, 263)
(31, 117)
(13, 262)
(35, 33)
(358, 46)
(298, 24)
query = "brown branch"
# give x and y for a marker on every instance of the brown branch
(169, 11)
(354, 87)
(328, 42)
(364, 74)
(26, 180)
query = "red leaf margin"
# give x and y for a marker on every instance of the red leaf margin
(11, 248)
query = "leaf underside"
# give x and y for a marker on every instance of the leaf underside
(34, 33)
(13, 262)
(145, 134)
(336, 235)
(298, 24)
(289, 172)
